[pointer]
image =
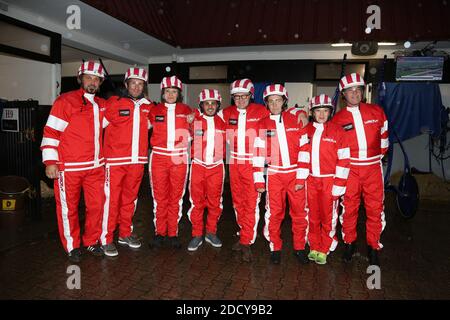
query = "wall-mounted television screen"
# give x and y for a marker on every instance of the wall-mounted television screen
(419, 68)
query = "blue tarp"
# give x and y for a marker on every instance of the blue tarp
(413, 108)
(259, 89)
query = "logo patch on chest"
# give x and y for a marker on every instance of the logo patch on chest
(159, 118)
(348, 127)
(232, 122)
(124, 112)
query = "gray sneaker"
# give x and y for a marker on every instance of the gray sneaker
(195, 243)
(110, 250)
(130, 241)
(213, 240)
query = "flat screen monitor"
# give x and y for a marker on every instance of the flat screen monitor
(419, 68)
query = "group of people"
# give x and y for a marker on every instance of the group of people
(101, 146)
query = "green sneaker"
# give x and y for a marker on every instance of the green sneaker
(321, 258)
(312, 255)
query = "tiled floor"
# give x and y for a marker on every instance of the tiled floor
(415, 264)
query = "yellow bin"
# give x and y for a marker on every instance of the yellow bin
(13, 192)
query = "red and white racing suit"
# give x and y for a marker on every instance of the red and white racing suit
(328, 173)
(242, 125)
(73, 141)
(207, 172)
(366, 127)
(168, 164)
(283, 144)
(126, 151)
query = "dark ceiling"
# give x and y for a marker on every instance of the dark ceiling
(222, 23)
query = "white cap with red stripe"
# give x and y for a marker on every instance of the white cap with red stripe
(320, 101)
(92, 68)
(351, 80)
(242, 86)
(209, 94)
(169, 82)
(277, 89)
(136, 73)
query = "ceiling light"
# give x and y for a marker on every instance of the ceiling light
(344, 44)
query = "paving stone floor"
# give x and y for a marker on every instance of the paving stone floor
(415, 264)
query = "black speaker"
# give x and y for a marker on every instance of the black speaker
(364, 48)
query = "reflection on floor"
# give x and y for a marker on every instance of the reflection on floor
(414, 264)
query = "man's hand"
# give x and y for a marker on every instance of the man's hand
(299, 187)
(51, 171)
(190, 118)
(261, 190)
(303, 118)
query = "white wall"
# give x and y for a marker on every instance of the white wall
(194, 90)
(299, 93)
(154, 92)
(70, 69)
(22, 79)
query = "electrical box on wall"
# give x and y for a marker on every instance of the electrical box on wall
(10, 120)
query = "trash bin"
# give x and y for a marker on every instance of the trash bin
(13, 193)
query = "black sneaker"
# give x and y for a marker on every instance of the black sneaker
(157, 242)
(275, 257)
(302, 256)
(174, 242)
(131, 241)
(349, 251)
(74, 255)
(372, 254)
(96, 250)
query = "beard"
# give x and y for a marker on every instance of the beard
(90, 89)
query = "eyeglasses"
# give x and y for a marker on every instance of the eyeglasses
(244, 97)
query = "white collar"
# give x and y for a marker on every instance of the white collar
(318, 125)
(206, 117)
(353, 109)
(170, 106)
(141, 101)
(275, 116)
(89, 96)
